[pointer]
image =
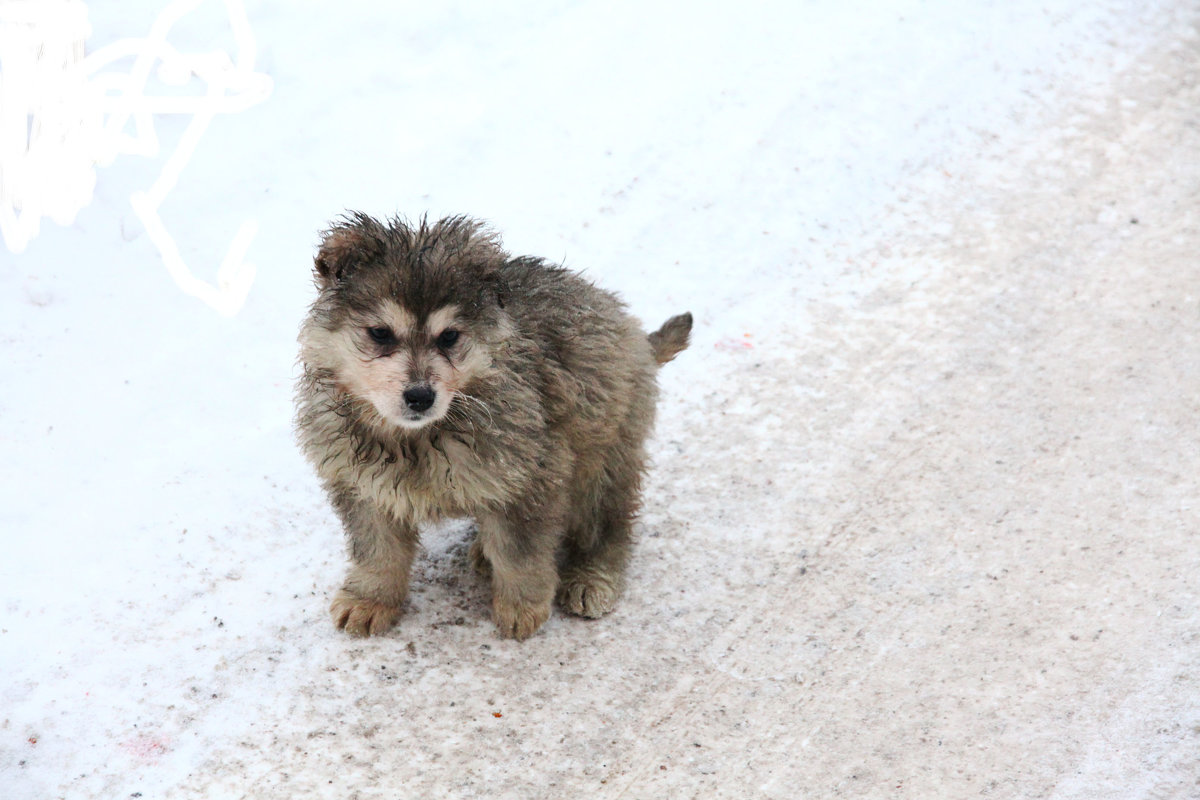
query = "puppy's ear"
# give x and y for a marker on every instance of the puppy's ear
(495, 288)
(344, 246)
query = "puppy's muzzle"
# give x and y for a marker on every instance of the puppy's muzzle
(419, 398)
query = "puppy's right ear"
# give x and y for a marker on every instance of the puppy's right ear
(343, 247)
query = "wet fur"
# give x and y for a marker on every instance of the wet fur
(551, 391)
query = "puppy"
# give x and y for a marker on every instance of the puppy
(444, 378)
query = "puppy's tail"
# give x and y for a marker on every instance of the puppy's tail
(672, 337)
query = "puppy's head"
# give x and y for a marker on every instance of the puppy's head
(407, 317)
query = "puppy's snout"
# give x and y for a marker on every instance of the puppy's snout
(419, 398)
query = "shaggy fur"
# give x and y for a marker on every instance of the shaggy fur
(444, 378)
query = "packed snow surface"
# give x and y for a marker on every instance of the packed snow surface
(790, 172)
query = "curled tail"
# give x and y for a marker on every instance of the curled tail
(672, 337)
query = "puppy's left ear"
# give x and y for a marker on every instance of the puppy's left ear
(345, 246)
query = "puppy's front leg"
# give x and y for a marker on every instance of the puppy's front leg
(382, 552)
(521, 552)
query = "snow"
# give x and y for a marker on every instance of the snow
(168, 556)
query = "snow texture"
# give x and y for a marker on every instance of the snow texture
(922, 521)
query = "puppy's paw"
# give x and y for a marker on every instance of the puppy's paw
(588, 594)
(518, 620)
(479, 561)
(359, 616)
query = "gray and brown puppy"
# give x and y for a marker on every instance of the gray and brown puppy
(444, 378)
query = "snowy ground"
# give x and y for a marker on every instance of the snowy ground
(923, 520)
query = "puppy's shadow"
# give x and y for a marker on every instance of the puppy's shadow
(445, 588)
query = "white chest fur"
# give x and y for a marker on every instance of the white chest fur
(421, 479)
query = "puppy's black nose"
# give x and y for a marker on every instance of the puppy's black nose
(419, 398)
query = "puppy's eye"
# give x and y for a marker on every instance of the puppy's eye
(447, 339)
(381, 335)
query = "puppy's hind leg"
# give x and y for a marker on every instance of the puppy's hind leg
(477, 559)
(596, 552)
(382, 552)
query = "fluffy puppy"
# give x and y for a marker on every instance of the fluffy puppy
(444, 378)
